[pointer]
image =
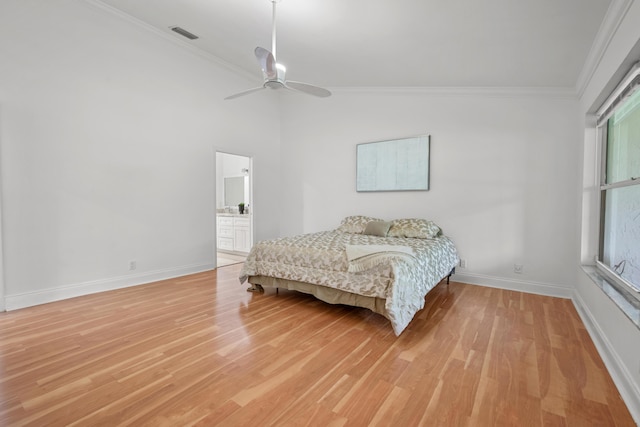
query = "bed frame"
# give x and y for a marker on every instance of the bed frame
(324, 293)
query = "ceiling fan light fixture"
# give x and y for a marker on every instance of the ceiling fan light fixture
(274, 72)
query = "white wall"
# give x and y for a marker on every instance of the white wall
(108, 136)
(617, 338)
(2, 287)
(503, 174)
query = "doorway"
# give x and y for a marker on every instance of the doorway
(234, 210)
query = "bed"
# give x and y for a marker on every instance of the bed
(387, 267)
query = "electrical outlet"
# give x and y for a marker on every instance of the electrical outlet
(463, 263)
(517, 268)
(132, 265)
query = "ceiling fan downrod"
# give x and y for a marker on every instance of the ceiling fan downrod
(273, 29)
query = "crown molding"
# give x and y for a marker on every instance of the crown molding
(545, 92)
(610, 24)
(499, 92)
(169, 37)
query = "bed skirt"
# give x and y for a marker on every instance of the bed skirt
(324, 293)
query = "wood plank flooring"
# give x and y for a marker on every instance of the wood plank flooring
(200, 350)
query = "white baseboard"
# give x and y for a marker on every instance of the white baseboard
(514, 285)
(629, 390)
(28, 299)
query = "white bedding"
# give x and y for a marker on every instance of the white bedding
(321, 259)
(365, 257)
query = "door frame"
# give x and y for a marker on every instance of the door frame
(250, 174)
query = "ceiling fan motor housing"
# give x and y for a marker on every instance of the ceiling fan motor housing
(273, 84)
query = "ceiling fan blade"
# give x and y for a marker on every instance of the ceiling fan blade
(274, 73)
(267, 63)
(246, 92)
(307, 88)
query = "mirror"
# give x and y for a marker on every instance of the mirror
(234, 190)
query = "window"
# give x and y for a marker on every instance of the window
(619, 126)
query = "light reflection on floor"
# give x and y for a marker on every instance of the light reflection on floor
(229, 259)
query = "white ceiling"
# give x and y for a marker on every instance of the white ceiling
(393, 43)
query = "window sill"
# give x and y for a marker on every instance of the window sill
(629, 304)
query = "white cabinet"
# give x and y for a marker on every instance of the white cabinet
(225, 233)
(241, 234)
(234, 233)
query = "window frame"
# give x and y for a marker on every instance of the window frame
(627, 87)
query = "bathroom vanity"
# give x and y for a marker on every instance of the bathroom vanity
(234, 232)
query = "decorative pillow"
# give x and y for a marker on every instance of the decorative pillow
(413, 227)
(355, 224)
(377, 228)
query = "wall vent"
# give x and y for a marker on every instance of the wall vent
(184, 33)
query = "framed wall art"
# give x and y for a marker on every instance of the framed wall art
(393, 165)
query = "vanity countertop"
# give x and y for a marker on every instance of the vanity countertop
(233, 214)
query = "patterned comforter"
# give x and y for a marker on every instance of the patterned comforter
(320, 259)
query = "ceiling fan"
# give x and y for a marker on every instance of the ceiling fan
(274, 73)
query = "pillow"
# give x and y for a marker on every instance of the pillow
(413, 227)
(355, 224)
(377, 228)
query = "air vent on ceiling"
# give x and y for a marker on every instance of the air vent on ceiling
(184, 33)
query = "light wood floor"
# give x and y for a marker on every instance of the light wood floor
(200, 350)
